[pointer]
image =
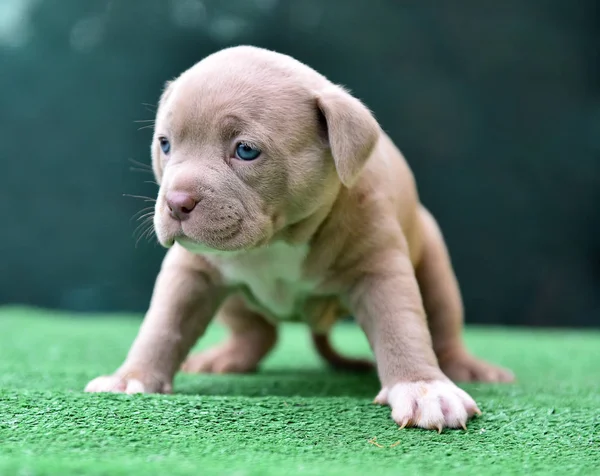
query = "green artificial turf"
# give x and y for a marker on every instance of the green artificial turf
(294, 417)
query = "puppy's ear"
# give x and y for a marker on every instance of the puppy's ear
(156, 165)
(351, 130)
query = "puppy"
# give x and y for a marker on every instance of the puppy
(281, 199)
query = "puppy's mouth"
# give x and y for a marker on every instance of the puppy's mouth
(211, 241)
(212, 229)
(206, 240)
(200, 248)
(219, 243)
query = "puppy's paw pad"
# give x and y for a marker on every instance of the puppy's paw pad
(431, 405)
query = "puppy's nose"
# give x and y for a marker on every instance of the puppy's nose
(180, 204)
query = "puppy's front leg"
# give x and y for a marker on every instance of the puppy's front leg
(185, 298)
(387, 303)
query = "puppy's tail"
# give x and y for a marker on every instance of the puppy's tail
(323, 346)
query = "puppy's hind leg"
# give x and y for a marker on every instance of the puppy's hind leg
(444, 308)
(252, 338)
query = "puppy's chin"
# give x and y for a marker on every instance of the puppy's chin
(214, 245)
(204, 249)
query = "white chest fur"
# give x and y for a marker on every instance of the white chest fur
(273, 275)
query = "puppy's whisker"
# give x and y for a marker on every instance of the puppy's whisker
(137, 242)
(140, 164)
(145, 216)
(138, 216)
(141, 227)
(143, 231)
(146, 234)
(140, 167)
(149, 232)
(153, 182)
(148, 229)
(141, 197)
(149, 123)
(145, 211)
(146, 220)
(150, 107)
(135, 169)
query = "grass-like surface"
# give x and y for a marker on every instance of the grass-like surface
(294, 417)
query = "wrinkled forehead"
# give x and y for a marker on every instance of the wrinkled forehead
(226, 106)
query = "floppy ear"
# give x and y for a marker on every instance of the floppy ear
(155, 153)
(351, 129)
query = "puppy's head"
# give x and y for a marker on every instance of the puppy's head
(248, 142)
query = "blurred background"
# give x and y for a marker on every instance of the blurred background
(496, 106)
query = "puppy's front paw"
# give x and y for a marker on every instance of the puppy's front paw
(430, 405)
(233, 356)
(127, 383)
(463, 367)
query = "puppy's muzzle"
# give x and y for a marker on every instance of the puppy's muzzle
(208, 219)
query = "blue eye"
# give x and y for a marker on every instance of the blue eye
(165, 145)
(246, 152)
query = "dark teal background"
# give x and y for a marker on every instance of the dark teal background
(495, 104)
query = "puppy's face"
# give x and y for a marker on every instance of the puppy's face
(242, 149)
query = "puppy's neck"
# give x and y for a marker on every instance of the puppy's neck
(303, 231)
